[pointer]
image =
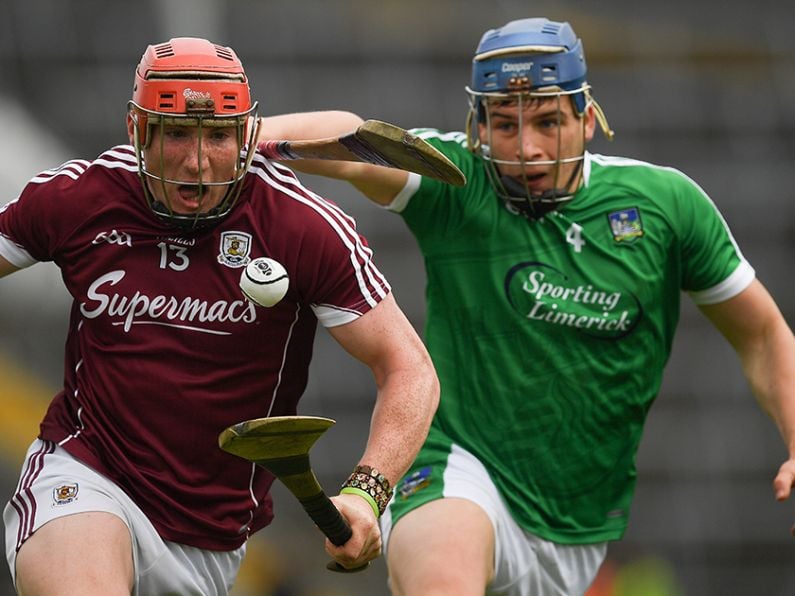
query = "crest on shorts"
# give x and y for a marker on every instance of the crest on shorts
(626, 225)
(235, 247)
(65, 493)
(414, 482)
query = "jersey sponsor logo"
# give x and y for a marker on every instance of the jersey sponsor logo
(187, 313)
(414, 482)
(64, 494)
(113, 237)
(234, 249)
(626, 225)
(540, 292)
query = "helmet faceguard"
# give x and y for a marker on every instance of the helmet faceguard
(521, 64)
(194, 83)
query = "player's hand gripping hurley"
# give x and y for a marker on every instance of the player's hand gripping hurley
(281, 445)
(374, 142)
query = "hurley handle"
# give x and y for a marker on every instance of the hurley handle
(330, 521)
(327, 518)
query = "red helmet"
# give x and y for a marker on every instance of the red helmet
(187, 75)
(193, 82)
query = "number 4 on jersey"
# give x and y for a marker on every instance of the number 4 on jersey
(574, 237)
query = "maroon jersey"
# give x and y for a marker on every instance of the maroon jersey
(163, 351)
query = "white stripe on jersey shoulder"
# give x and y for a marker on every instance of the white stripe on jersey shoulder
(617, 161)
(283, 179)
(275, 174)
(433, 133)
(72, 169)
(120, 156)
(611, 160)
(402, 199)
(341, 222)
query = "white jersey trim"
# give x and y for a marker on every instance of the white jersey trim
(402, 198)
(278, 385)
(332, 316)
(15, 254)
(740, 279)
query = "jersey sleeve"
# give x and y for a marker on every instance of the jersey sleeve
(344, 282)
(330, 264)
(429, 205)
(713, 267)
(10, 249)
(34, 225)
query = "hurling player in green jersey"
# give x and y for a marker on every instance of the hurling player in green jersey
(553, 290)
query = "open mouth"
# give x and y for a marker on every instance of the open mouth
(532, 180)
(535, 177)
(190, 197)
(190, 191)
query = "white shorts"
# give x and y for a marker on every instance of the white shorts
(524, 564)
(54, 484)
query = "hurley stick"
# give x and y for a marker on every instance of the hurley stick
(281, 445)
(375, 142)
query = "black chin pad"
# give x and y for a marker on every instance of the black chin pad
(529, 205)
(513, 187)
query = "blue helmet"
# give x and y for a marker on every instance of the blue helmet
(528, 54)
(521, 62)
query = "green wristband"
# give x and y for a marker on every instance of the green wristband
(350, 490)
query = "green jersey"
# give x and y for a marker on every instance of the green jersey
(550, 337)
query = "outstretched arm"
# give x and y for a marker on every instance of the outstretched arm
(378, 183)
(755, 327)
(407, 397)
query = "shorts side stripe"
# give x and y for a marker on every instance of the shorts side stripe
(23, 501)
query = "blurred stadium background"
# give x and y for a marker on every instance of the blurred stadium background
(707, 87)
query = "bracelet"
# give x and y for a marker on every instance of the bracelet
(349, 490)
(372, 482)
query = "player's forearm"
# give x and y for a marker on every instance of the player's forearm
(770, 369)
(379, 184)
(406, 381)
(307, 125)
(301, 126)
(755, 327)
(401, 418)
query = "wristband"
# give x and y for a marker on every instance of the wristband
(372, 482)
(350, 490)
(276, 150)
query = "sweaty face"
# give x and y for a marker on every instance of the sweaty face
(532, 139)
(189, 159)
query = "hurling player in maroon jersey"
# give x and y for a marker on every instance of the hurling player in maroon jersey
(125, 489)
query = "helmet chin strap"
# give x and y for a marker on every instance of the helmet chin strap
(535, 206)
